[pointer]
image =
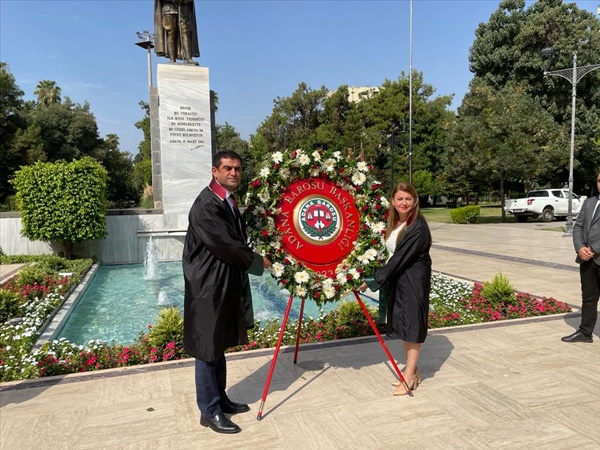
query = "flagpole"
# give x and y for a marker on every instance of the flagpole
(410, 95)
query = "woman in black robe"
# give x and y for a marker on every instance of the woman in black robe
(406, 278)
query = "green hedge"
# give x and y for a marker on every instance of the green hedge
(466, 214)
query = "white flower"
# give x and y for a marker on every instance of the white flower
(371, 254)
(316, 155)
(385, 202)
(259, 211)
(304, 160)
(277, 157)
(277, 269)
(329, 165)
(264, 196)
(337, 155)
(377, 227)
(363, 259)
(284, 173)
(359, 178)
(362, 166)
(354, 273)
(329, 291)
(264, 172)
(341, 277)
(301, 291)
(327, 282)
(301, 277)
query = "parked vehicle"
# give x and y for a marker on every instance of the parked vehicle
(545, 204)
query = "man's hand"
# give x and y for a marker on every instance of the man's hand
(585, 253)
(363, 287)
(266, 263)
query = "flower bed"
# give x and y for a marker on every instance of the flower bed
(452, 303)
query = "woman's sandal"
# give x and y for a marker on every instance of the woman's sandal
(401, 390)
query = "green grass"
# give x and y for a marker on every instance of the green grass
(490, 213)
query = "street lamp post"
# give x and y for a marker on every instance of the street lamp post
(573, 76)
(146, 42)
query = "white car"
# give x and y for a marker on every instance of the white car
(545, 204)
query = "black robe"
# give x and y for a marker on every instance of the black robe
(216, 260)
(407, 282)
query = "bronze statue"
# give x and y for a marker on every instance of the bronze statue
(175, 30)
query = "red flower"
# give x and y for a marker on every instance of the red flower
(265, 233)
(256, 183)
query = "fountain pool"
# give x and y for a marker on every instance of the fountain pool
(122, 300)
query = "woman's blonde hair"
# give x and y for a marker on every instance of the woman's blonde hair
(394, 217)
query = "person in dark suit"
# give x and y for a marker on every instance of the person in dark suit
(217, 300)
(405, 280)
(586, 239)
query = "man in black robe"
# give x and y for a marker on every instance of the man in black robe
(217, 303)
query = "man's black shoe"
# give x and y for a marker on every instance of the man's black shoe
(220, 423)
(229, 407)
(578, 336)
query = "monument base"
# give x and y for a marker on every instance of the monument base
(184, 125)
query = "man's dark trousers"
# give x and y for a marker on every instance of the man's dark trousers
(211, 379)
(589, 272)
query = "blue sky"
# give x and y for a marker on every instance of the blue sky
(255, 50)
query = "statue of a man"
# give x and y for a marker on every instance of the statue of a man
(175, 30)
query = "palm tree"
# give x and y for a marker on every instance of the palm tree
(47, 92)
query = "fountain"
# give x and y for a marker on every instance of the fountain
(121, 301)
(150, 260)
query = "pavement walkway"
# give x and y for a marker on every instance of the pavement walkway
(502, 385)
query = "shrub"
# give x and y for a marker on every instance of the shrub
(350, 312)
(499, 290)
(33, 274)
(64, 202)
(466, 214)
(9, 305)
(168, 328)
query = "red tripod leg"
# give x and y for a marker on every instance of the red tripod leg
(385, 349)
(274, 360)
(298, 333)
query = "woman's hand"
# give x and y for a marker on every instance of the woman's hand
(363, 287)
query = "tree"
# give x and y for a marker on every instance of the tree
(294, 119)
(64, 202)
(121, 190)
(507, 49)
(387, 113)
(47, 93)
(11, 121)
(501, 136)
(68, 131)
